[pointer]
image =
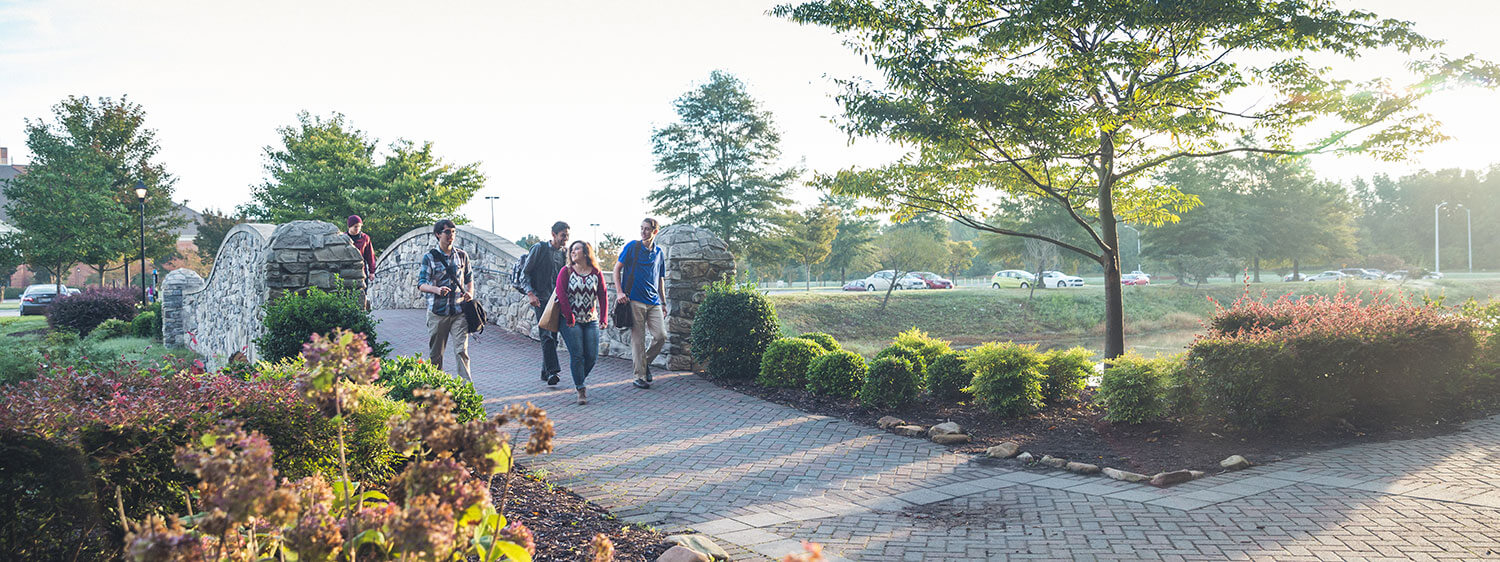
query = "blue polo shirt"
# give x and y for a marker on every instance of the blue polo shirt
(645, 271)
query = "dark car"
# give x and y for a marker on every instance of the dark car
(36, 298)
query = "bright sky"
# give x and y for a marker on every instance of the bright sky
(557, 99)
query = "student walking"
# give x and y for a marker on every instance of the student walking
(447, 281)
(584, 304)
(361, 242)
(641, 274)
(543, 262)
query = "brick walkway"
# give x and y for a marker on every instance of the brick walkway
(759, 477)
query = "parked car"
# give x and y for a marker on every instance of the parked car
(1058, 279)
(1136, 278)
(1433, 275)
(1398, 275)
(1012, 278)
(37, 298)
(933, 280)
(1360, 273)
(1328, 276)
(881, 280)
(855, 285)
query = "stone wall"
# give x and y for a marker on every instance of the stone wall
(695, 257)
(223, 315)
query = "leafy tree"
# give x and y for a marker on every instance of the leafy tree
(112, 136)
(609, 250)
(719, 161)
(960, 256)
(529, 240)
(855, 240)
(57, 207)
(906, 248)
(325, 169)
(1073, 103)
(1396, 216)
(213, 226)
(810, 237)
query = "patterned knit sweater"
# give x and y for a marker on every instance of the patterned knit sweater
(582, 298)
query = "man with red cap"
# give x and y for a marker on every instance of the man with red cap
(362, 244)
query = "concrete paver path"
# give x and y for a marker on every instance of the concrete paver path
(759, 477)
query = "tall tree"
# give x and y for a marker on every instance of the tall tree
(1073, 102)
(325, 169)
(720, 163)
(57, 208)
(112, 136)
(810, 237)
(906, 248)
(213, 226)
(960, 256)
(854, 243)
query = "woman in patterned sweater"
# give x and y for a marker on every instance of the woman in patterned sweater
(584, 303)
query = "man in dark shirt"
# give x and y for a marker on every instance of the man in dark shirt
(543, 262)
(361, 242)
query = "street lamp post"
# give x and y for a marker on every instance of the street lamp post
(596, 235)
(1437, 250)
(492, 199)
(1138, 266)
(1469, 233)
(140, 194)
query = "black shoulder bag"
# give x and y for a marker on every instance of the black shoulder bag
(474, 313)
(620, 315)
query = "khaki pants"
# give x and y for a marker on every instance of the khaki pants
(443, 331)
(648, 318)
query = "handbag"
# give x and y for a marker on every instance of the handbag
(621, 315)
(551, 316)
(474, 315)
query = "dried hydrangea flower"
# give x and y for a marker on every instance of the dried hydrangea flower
(519, 534)
(236, 478)
(158, 540)
(601, 549)
(431, 425)
(813, 553)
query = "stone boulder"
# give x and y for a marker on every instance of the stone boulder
(887, 422)
(681, 553)
(1081, 468)
(909, 430)
(700, 543)
(1004, 450)
(1054, 462)
(1235, 462)
(950, 439)
(945, 428)
(1125, 475)
(1163, 479)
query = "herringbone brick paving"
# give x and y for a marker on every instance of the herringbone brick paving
(756, 475)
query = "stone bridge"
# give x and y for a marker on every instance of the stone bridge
(221, 316)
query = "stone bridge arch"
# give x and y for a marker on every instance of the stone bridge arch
(695, 258)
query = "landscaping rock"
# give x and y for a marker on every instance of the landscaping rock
(1163, 479)
(1025, 457)
(1081, 468)
(1054, 462)
(945, 428)
(700, 543)
(909, 430)
(1125, 475)
(887, 422)
(950, 439)
(682, 554)
(1004, 450)
(1235, 462)
(1196, 474)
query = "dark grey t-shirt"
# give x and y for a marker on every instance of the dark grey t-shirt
(541, 272)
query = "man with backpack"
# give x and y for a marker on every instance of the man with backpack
(543, 261)
(447, 280)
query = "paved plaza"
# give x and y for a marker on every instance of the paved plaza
(760, 477)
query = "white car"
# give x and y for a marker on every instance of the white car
(881, 280)
(1328, 276)
(1058, 279)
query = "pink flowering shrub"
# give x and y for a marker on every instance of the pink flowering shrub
(1306, 363)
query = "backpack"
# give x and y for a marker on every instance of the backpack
(518, 274)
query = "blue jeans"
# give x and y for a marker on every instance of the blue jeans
(583, 349)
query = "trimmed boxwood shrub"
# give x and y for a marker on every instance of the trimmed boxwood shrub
(1135, 389)
(928, 347)
(786, 362)
(84, 311)
(147, 324)
(110, 329)
(403, 375)
(823, 340)
(892, 382)
(948, 375)
(293, 318)
(838, 373)
(1066, 373)
(908, 353)
(732, 329)
(1307, 363)
(1007, 377)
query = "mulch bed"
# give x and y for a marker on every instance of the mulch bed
(564, 522)
(1078, 432)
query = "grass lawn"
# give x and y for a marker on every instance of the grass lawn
(1157, 317)
(19, 332)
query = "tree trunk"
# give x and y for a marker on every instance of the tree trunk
(1114, 309)
(895, 275)
(1296, 270)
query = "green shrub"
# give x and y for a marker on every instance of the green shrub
(823, 340)
(892, 382)
(293, 318)
(732, 329)
(1066, 373)
(929, 347)
(18, 364)
(147, 324)
(1135, 389)
(1007, 377)
(46, 488)
(110, 329)
(786, 361)
(837, 373)
(948, 375)
(406, 374)
(910, 354)
(84, 311)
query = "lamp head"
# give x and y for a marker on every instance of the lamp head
(140, 190)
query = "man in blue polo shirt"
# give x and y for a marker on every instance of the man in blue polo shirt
(640, 276)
